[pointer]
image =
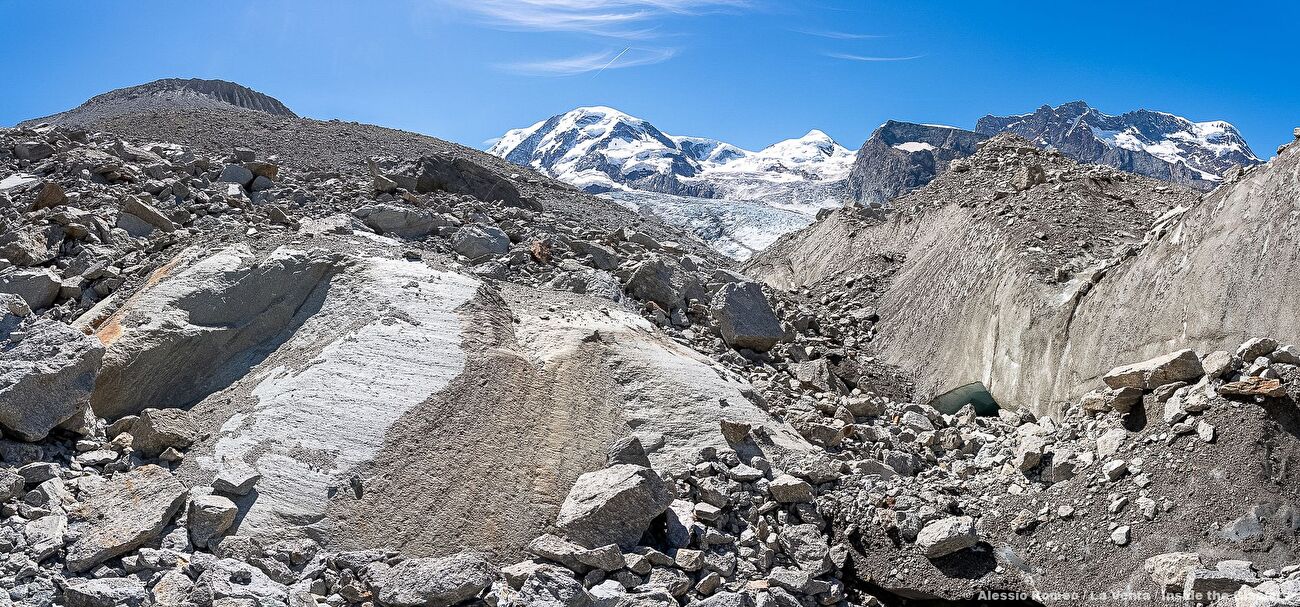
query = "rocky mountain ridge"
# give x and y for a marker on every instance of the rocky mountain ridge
(1156, 144)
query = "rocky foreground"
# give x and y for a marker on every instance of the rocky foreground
(233, 380)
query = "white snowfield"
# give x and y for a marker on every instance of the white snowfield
(603, 147)
(740, 200)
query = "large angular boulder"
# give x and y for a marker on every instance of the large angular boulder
(480, 242)
(157, 429)
(38, 287)
(946, 536)
(402, 221)
(745, 317)
(30, 245)
(434, 582)
(1183, 365)
(613, 506)
(240, 584)
(106, 592)
(663, 282)
(46, 377)
(457, 175)
(122, 513)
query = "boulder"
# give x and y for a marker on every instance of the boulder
(662, 282)
(806, 545)
(788, 489)
(1183, 365)
(613, 506)
(946, 536)
(106, 592)
(46, 378)
(51, 195)
(1169, 570)
(402, 221)
(433, 582)
(234, 173)
(30, 245)
(155, 430)
(148, 214)
(209, 517)
(119, 514)
(241, 584)
(457, 175)
(745, 317)
(38, 287)
(480, 242)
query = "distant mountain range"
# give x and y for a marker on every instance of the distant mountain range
(1155, 144)
(600, 149)
(742, 200)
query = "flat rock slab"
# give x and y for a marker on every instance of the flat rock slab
(121, 514)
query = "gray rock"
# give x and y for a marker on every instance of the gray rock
(236, 581)
(433, 582)
(1255, 348)
(45, 536)
(549, 586)
(946, 536)
(30, 245)
(106, 592)
(726, 599)
(122, 513)
(627, 450)
(46, 378)
(806, 546)
(234, 173)
(1169, 570)
(38, 287)
(148, 214)
(480, 242)
(788, 489)
(613, 505)
(1183, 365)
(157, 429)
(402, 221)
(458, 175)
(236, 478)
(745, 317)
(210, 516)
(662, 282)
(11, 485)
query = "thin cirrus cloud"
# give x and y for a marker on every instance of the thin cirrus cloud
(852, 57)
(608, 18)
(592, 62)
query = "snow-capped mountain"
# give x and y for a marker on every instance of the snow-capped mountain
(605, 151)
(601, 149)
(1156, 144)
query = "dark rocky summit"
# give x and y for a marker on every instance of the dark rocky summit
(902, 156)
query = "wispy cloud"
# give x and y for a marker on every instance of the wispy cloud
(851, 57)
(594, 62)
(610, 18)
(837, 35)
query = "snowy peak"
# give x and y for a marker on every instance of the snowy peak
(1157, 144)
(601, 149)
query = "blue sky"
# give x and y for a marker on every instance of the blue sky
(746, 71)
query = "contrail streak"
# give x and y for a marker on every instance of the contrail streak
(611, 61)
